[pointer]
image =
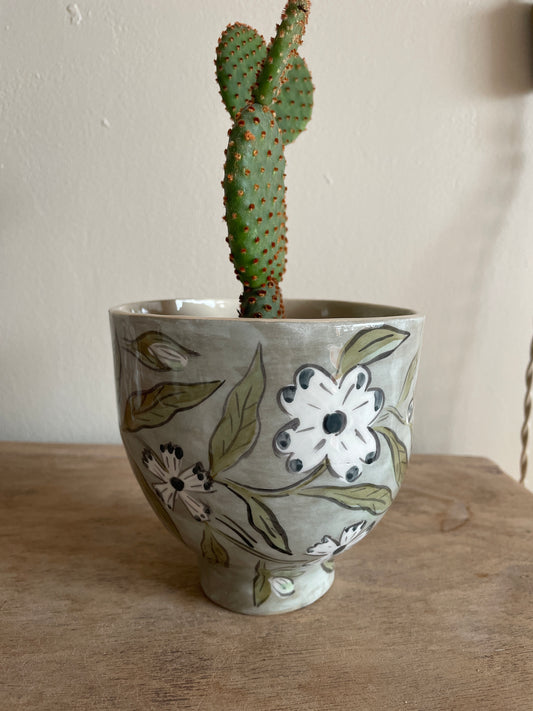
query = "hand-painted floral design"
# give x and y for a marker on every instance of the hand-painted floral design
(270, 581)
(336, 421)
(173, 484)
(329, 547)
(158, 351)
(331, 421)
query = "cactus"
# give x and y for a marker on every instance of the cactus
(268, 93)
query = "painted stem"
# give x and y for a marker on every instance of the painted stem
(275, 493)
(264, 556)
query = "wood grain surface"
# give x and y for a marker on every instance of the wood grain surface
(101, 609)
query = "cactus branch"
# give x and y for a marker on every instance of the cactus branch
(283, 46)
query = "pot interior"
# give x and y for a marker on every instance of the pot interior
(296, 309)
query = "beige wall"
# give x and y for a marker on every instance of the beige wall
(413, 185)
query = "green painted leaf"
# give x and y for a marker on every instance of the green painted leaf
(328, 565)
(239, 427)
(159, 352)
(262, 519)
(409, 379)
(212, 550)
(265, 522)
(398, 452)
(368, 497)
(369, 346)
(262, 588)
(155, 407)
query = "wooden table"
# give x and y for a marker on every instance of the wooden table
(101, 608)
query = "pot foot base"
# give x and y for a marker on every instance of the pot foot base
(259, 591)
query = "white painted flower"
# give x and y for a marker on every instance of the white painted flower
(173, 484)
(330, 421)
(329, 547)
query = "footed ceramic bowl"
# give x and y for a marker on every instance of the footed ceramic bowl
(269, 447)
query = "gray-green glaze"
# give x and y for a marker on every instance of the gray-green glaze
(269, 447)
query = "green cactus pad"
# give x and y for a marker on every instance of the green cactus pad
(294, 104)
(280, 51)
(241, 52)
(254, 189)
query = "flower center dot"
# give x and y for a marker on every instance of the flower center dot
(334, 423)
(177, 483)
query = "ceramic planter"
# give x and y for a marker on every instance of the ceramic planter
(267, 446)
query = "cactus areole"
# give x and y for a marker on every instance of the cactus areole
(268, 93)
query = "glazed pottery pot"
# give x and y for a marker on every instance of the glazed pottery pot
(267, 446)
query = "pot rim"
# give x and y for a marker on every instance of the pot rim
(320, 310)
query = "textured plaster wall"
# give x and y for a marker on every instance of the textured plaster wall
(411, 186)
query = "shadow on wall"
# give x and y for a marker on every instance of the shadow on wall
(460, 260)
(508, 64)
